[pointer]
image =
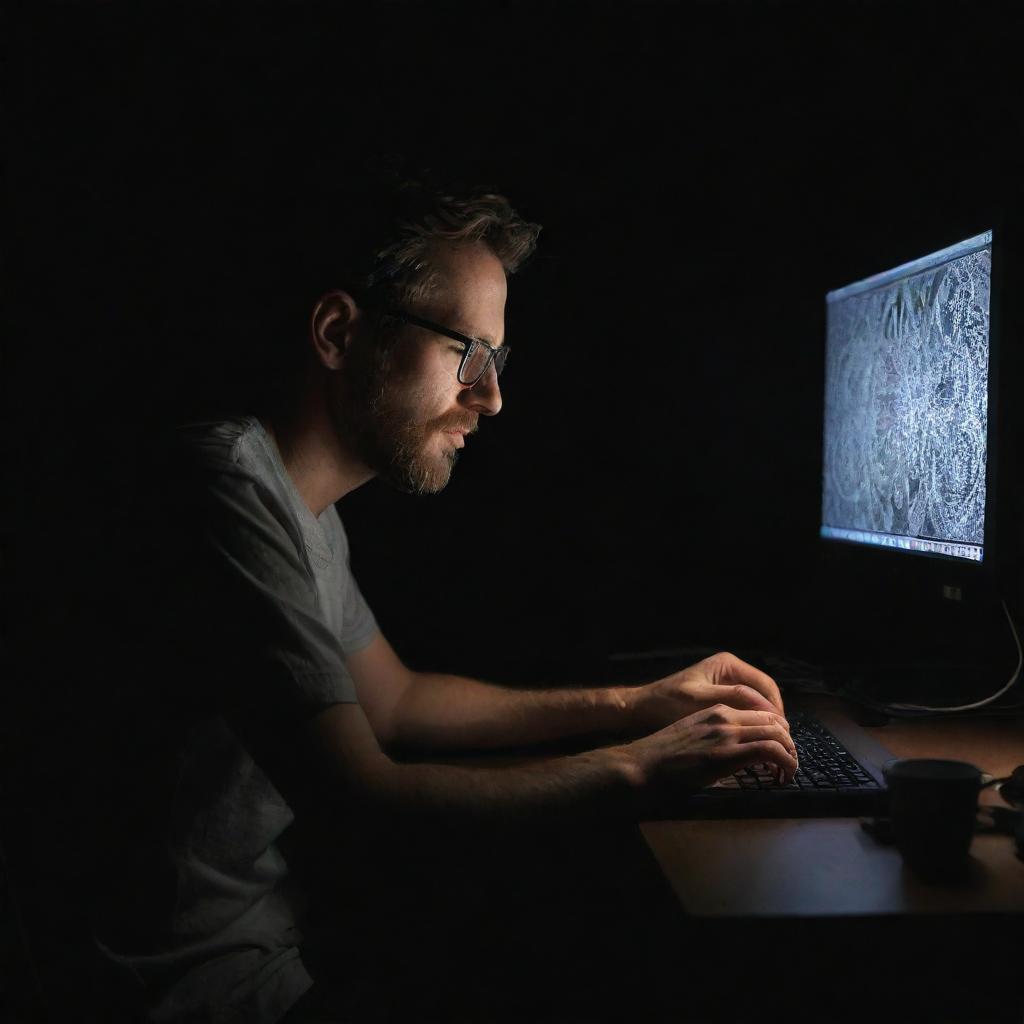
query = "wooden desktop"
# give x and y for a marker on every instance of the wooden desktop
(830, 866)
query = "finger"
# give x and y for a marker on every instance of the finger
(755, 733)
(734, 759)
(740, 695)
(731, 735)
(722, 714)
(725, 668)
(735, 695)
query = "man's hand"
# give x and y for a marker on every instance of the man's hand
(702, 748)
(720, 679)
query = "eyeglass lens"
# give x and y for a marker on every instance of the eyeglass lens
(476, 363)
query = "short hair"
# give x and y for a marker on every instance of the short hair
(404, 219)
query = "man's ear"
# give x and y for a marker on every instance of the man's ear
(331, 327)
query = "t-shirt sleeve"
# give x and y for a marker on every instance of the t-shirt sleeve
(265, 648)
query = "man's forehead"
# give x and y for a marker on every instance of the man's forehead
(469, 291)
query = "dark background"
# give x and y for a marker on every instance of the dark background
(704, 173)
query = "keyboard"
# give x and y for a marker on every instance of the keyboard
(831, 781)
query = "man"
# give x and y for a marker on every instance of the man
(288, 698)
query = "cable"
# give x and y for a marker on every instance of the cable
(987, 700)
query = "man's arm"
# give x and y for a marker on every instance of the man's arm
(443, 712)
(613, 781)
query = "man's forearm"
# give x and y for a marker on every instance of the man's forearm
(605, 784)
(451, 712)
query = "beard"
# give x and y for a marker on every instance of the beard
(376, 415)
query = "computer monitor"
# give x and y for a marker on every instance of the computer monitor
(906, 433)
(914, 447)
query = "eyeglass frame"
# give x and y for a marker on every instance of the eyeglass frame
(493, 352)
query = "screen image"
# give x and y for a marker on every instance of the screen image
(906, 405)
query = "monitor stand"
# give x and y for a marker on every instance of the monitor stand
(909, 647)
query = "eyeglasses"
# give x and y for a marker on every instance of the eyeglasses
(476, 356)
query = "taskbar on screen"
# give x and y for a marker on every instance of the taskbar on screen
(923, 545)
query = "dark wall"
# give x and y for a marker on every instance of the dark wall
(703, 173)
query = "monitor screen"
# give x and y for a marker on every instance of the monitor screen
(906, 405)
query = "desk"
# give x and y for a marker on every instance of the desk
(838, 917)
(823, 867)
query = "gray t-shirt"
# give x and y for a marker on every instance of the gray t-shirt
(216, 937)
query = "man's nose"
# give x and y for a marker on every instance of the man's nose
(484, 397)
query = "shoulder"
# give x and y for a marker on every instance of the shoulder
(224, 445)
(230, 453)
(224, 468)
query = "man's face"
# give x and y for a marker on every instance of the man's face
(404, 409)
